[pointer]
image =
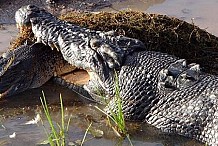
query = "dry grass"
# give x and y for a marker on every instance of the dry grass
(158, 32)
(25, 37)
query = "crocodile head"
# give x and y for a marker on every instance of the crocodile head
(29, 66)
(25, 14)
(14, 75)
(99, 53)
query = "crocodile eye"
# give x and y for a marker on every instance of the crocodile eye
(95, 43)
(30, 7)
(34, 20)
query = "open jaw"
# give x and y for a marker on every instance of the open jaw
(69, 75)
(30, 66)
(33, 64)
(47, 63)
(78, 45)
(97, 52)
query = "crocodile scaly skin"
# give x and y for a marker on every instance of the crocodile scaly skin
(29, 66)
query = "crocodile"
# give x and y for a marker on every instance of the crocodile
(17, 69)
(155, 87)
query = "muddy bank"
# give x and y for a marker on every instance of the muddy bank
(9, 7)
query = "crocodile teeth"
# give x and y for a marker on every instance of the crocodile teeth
(4, 55)
(44, 42)
(56, 46)
(55, 74)
(51, 45)
(111, 33)
(38, 40)
(181, 62)
(195, 67)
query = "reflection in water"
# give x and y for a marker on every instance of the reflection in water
(138, 5)
(14, 119)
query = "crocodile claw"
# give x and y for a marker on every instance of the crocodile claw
(179, 75)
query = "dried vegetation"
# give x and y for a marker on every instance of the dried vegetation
(158, 32)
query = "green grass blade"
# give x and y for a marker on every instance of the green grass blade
(84, 137)
(62, 131)
(127, 135)
(45, 108)
(62, 113)
(68, 123)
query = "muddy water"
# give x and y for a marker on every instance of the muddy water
(202, 13)
(7, 33)
(17, 110)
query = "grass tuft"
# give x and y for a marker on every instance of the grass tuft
(116, 114)
(56, 136)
